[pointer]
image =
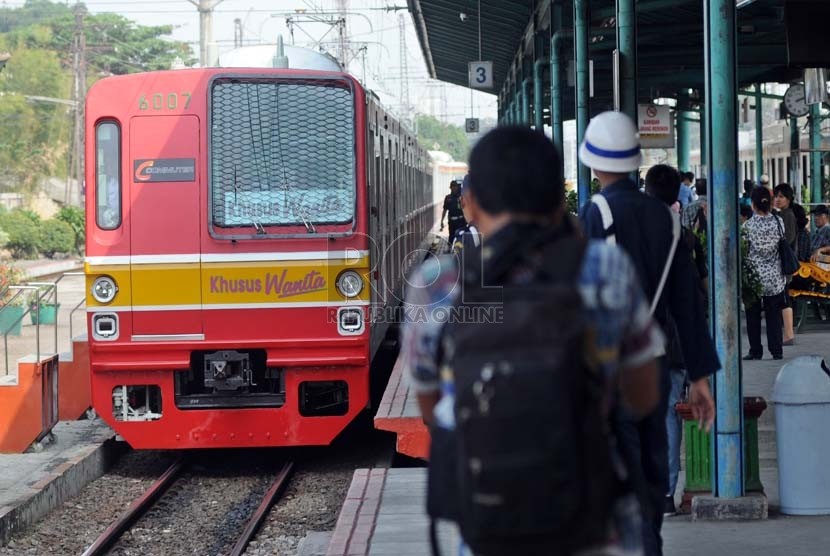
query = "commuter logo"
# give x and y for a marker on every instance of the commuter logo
(164, 169)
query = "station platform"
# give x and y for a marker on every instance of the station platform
(384, 513)
(32, 484)
(398, 413)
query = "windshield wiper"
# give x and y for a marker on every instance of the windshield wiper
(306, 222)
(260, 230)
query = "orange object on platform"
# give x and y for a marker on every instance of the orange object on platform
(74, 392)
(22, 418)
(812, 270)
(398, 412)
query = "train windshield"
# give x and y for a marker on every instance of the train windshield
(282, 153)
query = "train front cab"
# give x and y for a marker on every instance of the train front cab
(227, 265)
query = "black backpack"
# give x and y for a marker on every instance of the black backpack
(528, 468)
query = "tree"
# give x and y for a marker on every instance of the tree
(40, 35)
(36, 134)
(32, 12)
(56, 237)
(436, 135)
(115, 44)
(19, 122)
(118, 45)
(24, 234)
(76, 220)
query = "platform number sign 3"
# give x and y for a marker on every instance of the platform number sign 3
(471, 125)
(480, 75)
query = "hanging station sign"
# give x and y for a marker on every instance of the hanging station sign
(480, 75)
(656, 126)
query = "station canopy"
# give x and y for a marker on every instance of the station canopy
(670, 51)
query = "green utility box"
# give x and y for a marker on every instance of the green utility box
(699, 452)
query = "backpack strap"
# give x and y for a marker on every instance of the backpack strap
(607, 216)
(675, 239)
(562, 260)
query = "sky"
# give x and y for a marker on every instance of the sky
(371, 25)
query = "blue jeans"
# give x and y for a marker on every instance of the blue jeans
(674, 426)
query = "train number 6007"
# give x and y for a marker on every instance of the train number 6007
(162, 101)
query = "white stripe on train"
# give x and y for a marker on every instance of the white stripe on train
(215, 306)
(349, 255)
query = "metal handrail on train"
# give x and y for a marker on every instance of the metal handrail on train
(71, 313)
(78, 306)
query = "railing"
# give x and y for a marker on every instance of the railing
(11, 303)
(80, 304)
(45, 291)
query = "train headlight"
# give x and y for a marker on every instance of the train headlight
(104, 289)
(349, 283)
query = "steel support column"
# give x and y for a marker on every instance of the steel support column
(581, 23)
(683, 124)
(627, 46)
(539, 63)
(704, 148)
(795, 160)
(539, 93)
(517, 106)
(816, 171)
(556, 76)
(759, 134)
(721, 117)
(526, 101)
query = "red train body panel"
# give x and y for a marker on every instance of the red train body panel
(244, 226)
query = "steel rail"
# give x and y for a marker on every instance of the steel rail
(109, 537)
(278, 486)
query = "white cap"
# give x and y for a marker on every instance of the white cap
(611, 144)
(764, 179)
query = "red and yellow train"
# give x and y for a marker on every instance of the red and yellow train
(243, 225)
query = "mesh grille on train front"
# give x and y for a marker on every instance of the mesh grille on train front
(282, 153)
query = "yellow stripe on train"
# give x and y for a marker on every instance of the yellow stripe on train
(190, 284)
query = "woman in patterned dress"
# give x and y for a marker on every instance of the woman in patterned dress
(763, 232)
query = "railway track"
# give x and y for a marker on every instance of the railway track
(148, 499)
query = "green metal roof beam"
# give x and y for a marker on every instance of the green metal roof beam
(488, 10)
(644, 6)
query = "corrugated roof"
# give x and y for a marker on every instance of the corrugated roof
(669, 37)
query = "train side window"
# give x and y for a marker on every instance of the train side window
(108, 175)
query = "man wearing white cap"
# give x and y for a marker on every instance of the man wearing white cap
(645, 228)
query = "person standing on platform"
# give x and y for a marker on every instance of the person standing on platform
(686, 193)
(821, 237)
(696, 214)
(453, 210)
(802, 239)
(783, 201)
(660, 183)
(745, 200)
(574, 305)
(644, 227)
(763, 232)
(467, 237)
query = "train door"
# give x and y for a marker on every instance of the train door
(165, 210)
(374, 211)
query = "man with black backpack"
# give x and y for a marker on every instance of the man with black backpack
(650, 233)
(517, 357)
